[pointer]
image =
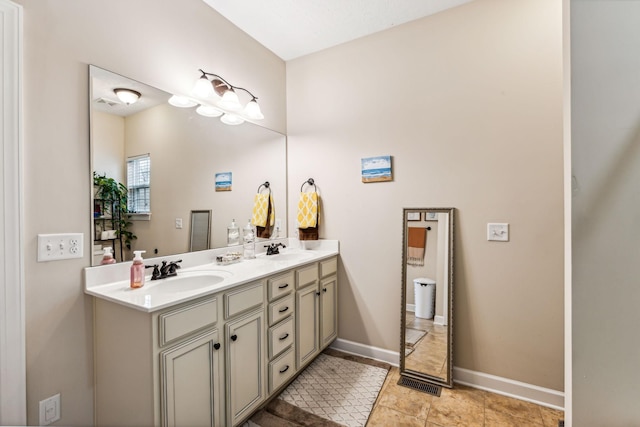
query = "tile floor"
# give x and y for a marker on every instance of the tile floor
(400, 406)
(429, 355)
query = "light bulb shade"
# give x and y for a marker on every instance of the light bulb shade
(230, 101)
(231, 119)
(182, 101)
(252, 111)
(127, 96)
(208, 111)
(203, 88)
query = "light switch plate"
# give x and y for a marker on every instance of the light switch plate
(498, 232)
(54, 247)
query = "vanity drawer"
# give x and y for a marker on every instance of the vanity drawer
(243, 299)
(306, 276)
(329, 266)
(280, 337)
(281, 369)
(280, 309)
(280, 285)
(178, 323)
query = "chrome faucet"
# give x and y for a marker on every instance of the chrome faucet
(273, 249)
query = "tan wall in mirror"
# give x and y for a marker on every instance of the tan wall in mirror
(108, 145)
(161, 43)
(186, 151)
(469, 104)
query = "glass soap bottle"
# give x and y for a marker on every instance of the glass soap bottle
(233, 234)
(249, 239)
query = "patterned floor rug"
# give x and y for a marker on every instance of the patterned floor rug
(337, 389)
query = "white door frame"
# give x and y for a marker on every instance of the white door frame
(13, 396)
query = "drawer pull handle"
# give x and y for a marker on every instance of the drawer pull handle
(234, 337)
(283, 286)
(217, 346)
(284, 337)
(283, 310)
(285, 369)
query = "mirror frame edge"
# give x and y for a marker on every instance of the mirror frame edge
(448, 382)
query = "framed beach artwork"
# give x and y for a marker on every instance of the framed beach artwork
(223, 181)
(376, 169)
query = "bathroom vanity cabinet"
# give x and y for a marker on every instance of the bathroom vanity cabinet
(316, 309)
(214, 360)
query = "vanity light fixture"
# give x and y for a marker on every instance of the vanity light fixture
(182, 101)
(127, 96)
(224, 95)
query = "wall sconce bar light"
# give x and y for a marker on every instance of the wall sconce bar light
(219, 98)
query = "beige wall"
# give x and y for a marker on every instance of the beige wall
(469, 104)
(161, 43)
(605, 41)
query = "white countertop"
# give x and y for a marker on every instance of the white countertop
(111, 282)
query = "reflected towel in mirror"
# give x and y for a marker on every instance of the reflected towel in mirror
(417, 243)
(264, 214)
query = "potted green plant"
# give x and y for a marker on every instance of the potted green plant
(115, 195)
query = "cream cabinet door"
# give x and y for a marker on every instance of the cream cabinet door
(245, 369)
(329, 310)
(191, 387)
(307, 326)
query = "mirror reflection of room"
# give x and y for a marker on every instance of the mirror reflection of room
(185, 151)
(426, 289)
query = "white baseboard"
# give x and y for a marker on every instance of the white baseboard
(391, 357)
(439, 320)
(505, 386)
(411, 308)
(499, 385)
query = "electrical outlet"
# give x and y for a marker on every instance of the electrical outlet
(50, 410)
(54, 247)
(278, 224)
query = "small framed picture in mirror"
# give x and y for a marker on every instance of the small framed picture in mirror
(429, 216)
(413, 216)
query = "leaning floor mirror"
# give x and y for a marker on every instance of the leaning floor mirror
(426, 336)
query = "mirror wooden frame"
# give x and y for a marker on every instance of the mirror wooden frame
(424, 377)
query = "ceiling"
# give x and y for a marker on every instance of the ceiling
(294, 28)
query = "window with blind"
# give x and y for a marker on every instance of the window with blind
(139, 183)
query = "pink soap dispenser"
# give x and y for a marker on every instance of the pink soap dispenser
(137, 270)
(107, 257)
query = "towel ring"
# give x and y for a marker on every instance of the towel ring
(265, 185)
(310, 181)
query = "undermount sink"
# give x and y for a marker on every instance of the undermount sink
(191, 281)
(290, 256)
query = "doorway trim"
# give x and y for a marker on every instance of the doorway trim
(13, 396)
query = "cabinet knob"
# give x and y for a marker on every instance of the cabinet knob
(234, 337)
(284, 337)
(282, 371)
(283, 286)
(318, 293)
(283, 310)
(217, 346)
(324, 290)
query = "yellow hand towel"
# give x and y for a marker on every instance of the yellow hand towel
(308, 210)
(261, 204)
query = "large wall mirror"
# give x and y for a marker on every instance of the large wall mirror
(186, 151)
(426, 348)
